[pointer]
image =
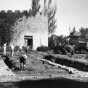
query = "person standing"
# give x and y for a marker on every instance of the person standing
(22, 60)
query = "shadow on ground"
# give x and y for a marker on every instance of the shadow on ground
(54, 83)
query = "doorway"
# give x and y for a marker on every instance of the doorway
(29, 41)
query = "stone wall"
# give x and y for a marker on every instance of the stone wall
(33, 26)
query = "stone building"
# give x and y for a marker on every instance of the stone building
(32, 31)
(37, 35)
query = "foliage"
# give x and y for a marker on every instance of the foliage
(35, 7)
(73, 38)
(52, 41)
(51, 20)
(49, 11)
(43, 48)
(72, 32)
(55, 41)
(84, 33)
(7, 20)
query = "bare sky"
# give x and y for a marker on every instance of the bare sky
(15, 4)
(70, 13)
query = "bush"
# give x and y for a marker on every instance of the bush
(59, 50)
(43, 48)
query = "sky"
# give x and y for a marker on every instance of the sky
(70, 13)
(15, 4)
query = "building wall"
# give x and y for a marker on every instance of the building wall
(35, 26)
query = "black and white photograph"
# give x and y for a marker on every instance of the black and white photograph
(43, 43)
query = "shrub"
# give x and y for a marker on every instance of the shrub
(59, 50)
(43, 48)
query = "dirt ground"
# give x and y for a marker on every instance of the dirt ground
(35, 69)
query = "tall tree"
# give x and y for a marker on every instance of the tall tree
(50, 11)
(35, 7)
(51, 20)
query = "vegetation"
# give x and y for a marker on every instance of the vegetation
(51, 20)
(7, 19)
(55, 41)
(43, 48)
(35, 7)
(76, 42)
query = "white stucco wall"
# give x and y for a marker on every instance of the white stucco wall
(34, 26)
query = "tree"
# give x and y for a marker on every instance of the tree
(7, 19)
(50, 11)
(35, 7)
(72, 32)
(4, 28)
(51, 20)
(52, 41)
(56, 41)
(84, 33)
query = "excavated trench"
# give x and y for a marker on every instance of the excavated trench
(59, 60)
(75, 64)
